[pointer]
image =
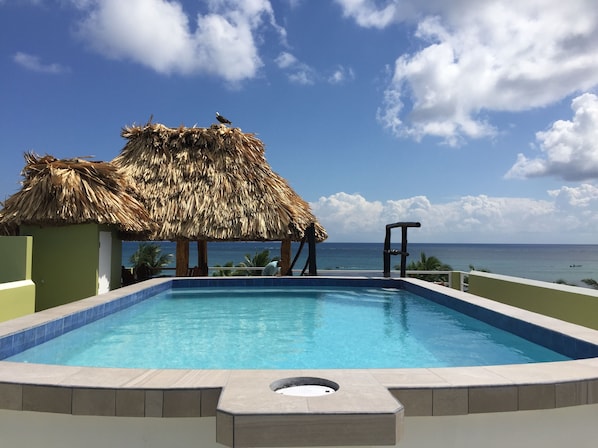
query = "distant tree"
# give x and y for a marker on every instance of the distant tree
(561, 281)
(590, 282)
(223, 272)
(148, 260)
(258, 260)
(428, 264)
(473, 268)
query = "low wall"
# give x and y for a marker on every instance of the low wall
(16, 299)
(17, 291)
(569, 303)
(15, 263)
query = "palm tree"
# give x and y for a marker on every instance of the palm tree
(590, 282)
(148, 260)
(428, 264)
(223, 272)
(259, 260)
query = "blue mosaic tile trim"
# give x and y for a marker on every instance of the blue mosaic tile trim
(18, 342)
(559, 342)
(257, 281)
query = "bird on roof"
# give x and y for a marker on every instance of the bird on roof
(222, 120)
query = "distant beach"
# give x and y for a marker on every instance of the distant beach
(547, 262)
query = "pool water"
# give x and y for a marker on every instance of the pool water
(286, 328)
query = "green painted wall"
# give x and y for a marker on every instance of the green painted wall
(65, 262)
(569, 303)
(15, 261)
(16, 299)
(17, 291)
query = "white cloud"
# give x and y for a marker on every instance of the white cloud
(159, 34)
(341, 75)
(351, 217)
(480, 57)
(34, 63)
(286, 60)
(297, 72)
(369, 14)
(301, 73)
(569, 147)
(584, 196)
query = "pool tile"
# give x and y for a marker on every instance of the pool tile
(182, 403)
(209, 401)
(571, 394)
(417, 402)
(402, 378)
(94, 402)
(154, 400)
(536, 396)
(130, 403)
(493, 399)
(471, 376)
(454, 401)
(225, 429)
(315, 430)
(592, 391)
(202, 378)
(11, 396)
(47, 399)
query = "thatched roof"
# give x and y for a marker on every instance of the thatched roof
(74, 191)
(211, 184)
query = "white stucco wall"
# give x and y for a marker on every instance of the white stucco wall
(554, 428)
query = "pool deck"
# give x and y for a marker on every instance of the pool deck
(369, 401)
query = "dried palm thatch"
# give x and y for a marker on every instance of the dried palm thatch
(211, 184)
(75, 191)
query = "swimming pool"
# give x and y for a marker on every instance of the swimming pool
(244, 408)
(287, 328)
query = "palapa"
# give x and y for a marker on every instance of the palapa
(75, 191)
(211, 184)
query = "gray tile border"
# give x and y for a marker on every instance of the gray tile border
(11, 396)
(94, 402)
(450, 401)
(130, 403)
(536, 396)
(47, 399)
(493, 399)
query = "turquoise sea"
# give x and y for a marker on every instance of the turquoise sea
(547, 262)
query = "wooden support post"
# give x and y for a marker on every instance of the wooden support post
(311, 244)
(202, 257)
(285, 256)
(182, 258)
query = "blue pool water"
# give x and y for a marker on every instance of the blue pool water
(286, 328)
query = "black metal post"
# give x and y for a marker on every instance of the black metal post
(403, 252)
(311, 245)
(386, 253)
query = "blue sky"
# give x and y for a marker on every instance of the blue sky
(478, 119)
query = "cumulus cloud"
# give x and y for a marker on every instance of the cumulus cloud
(569, 148)
(34, 63)
(480, 57)
(351, 217)
(159, 34)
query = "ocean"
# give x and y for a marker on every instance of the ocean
(546, 262)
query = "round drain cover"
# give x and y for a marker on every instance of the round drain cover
(304, 386)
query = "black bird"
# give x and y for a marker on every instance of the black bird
(222, 120)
